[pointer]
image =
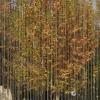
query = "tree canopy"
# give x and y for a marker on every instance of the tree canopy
(49, 43)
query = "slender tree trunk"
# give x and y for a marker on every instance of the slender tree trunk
(57, 96)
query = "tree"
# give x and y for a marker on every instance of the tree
(52, 41)
(97, 14)
(98, 31)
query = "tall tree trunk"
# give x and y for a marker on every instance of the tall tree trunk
(57, 96)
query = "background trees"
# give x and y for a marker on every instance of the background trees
(98, 30)
(50, 44)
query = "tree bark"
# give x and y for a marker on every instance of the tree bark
(57, 96)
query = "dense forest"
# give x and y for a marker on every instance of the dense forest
(49, 49)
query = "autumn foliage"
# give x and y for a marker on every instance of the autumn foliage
(50, 44)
